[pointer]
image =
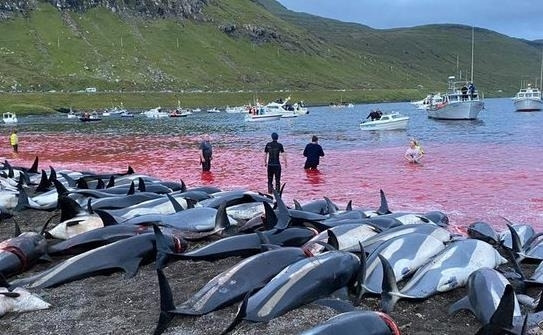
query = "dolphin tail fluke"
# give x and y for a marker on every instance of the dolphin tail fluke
(22, 201)
(383, 208)
(358, 284)
(166, 303)
(34, 167)
(242, 312)
(222, 222)
(390, 293)
(270, 221)
(518, 253)
(45, 183)
(460, 305)
(176, 205)
(501, 321)
(283, 218)
(162, 250)
(332, 239)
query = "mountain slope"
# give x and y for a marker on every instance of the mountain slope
(193, 45)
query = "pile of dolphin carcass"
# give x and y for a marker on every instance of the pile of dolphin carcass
(292, 256)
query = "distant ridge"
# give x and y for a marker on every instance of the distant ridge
(201, 45)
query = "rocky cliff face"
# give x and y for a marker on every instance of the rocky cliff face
(151, 8)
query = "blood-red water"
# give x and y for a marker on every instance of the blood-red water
(469, 182)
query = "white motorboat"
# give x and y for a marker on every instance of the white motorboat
(236, 110)
(528, 99)
(260, 113)
(9, 118)
(388, 121)
(156, 113)
(71, 114)
(213, 110)
(286, 109)
(456, 104)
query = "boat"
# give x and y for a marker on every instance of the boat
(213, 110)
(179, 113)
(261, 113)
(88, 117)
(71, 114)
(388, 121)
(155, 113)
(9, 117)
(456, 104)
(126, 114)
(462, 101)
(196, 110)
(529, 99)
(285, 109)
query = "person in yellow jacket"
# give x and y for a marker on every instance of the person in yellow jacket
(14, 140)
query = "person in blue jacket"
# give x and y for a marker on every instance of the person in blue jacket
(313, 151)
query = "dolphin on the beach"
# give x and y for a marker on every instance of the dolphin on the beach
(447, 270)
(127, 254)
(485, 290)
(348, 237)
(356, 323)
(227, 287)
(405, 253)
(300, 283)
(484, 232)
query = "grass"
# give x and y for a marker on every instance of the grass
(314, 57)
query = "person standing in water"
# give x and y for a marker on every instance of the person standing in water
(14, 140)
(414, 152)
(206, 153)
(272, 152)
(313, 151)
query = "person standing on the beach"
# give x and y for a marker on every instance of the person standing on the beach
(313, 151)
(272, 152)
(14, 140)
(206, 153)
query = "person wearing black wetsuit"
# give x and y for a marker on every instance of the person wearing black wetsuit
(313, 151)
(206, 153)
(271, 159)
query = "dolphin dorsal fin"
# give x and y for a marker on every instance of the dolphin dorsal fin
(34, 167)
(141, 184)
(132, 189)
(383, 208)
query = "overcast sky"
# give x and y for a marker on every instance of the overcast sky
(515, 18)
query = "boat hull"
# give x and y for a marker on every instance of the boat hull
(528, 105)
(463, 110)
(261, 118)
(397, 124)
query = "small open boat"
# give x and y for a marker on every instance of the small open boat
(388, 121)
(86, 117)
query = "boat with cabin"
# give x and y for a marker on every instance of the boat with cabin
(261, 113)
(387, 121)
(285, 109)
(458, 103)
(88, 117)
(156, 113)
(528, 99)
(9, 117)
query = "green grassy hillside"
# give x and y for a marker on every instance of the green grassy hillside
(248, 46)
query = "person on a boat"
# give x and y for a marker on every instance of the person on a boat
(374, 115)
(464, 91)
(206, 153)
(14, 140)
(313, 151)
(414, 152)
(272, 151)
(471, 90)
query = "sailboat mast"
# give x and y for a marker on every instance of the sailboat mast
(472, 36)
